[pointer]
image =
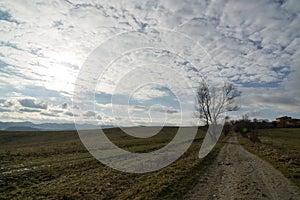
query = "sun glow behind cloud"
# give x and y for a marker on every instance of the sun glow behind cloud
(59, 73)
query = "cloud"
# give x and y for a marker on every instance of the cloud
(64, 106)
(6, 103)
(29, 110)
(89, 114)
(149, 92)
(277, 101)
(31, 103)
(48, 114)
(155, 108)
(292, 82)
(6, 16)
(69, 114)
(75, 107)
(4, 110)
(56, 111)
(254, 44)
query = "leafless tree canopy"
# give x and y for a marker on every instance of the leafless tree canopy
(212, 102)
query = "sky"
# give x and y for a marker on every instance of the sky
(138, 62)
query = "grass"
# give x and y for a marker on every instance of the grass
(280, 147)
(55, 165)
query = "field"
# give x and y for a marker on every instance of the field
(55, 165)
(280, 147)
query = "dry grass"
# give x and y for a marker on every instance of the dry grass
(280, 147)
(55, 165)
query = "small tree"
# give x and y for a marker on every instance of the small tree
(227, 126)
(253, 136)
(212, 102)
(248, 128)
(243, 126)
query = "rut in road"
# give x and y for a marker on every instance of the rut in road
(238, 174)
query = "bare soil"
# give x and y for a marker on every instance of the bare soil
(238, 174)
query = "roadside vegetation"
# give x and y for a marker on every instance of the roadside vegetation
(55, 165)
(280, 147)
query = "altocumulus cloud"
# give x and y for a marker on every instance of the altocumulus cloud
(89, 114)
(254, 43)
(6, 103)
(29, 110)
(31, 103)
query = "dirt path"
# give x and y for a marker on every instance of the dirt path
(238, 174)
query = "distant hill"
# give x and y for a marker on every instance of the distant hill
(21, 128)
(29, 126)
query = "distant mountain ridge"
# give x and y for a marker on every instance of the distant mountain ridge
(29, 126)
(21, 128)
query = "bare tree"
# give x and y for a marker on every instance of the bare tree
(212, 102)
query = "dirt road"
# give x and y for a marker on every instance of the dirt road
(238, 174)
